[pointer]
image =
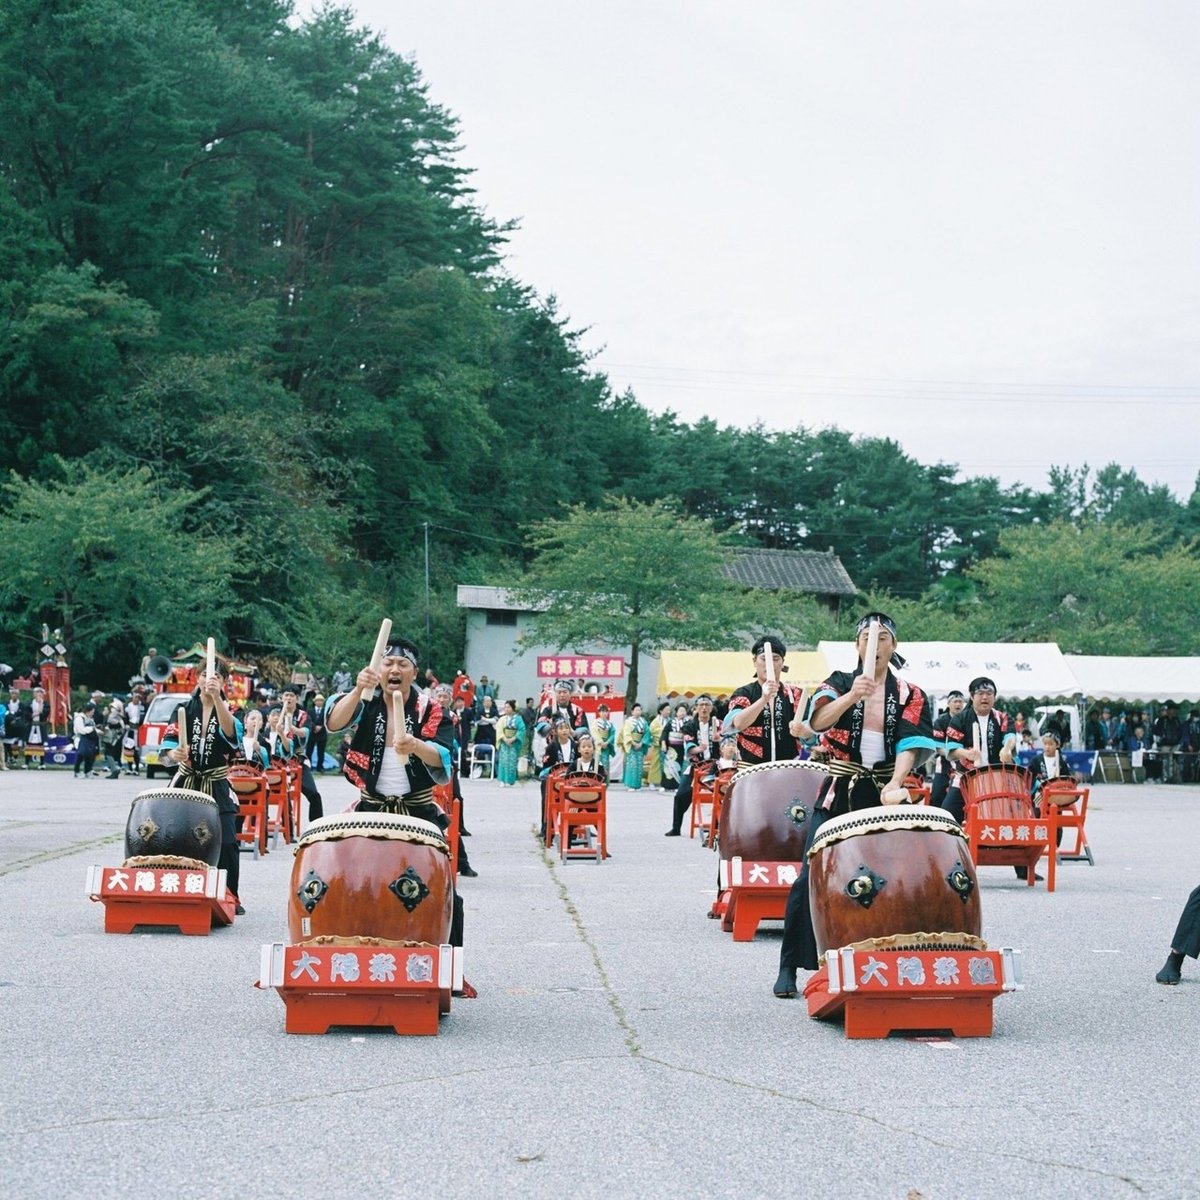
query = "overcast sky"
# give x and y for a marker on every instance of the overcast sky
(970, 227)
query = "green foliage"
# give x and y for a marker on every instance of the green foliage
(113, 559)
(242, 265)
(1094, 589)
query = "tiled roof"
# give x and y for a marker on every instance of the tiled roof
(812, 571)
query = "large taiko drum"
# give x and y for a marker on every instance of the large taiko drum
(173, 821)
(371, 875)
(891, 870)
(766, 812)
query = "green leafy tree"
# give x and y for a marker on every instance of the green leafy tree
(635, 575)
(111, 558)
(1095, 589)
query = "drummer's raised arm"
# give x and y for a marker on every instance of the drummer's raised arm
(343, 711)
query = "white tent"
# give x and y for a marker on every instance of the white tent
(1136, 680)
(1019, 669)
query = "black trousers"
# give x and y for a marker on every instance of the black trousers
(1187, 932)
(683, 801)
(230, 860)
(308, 789)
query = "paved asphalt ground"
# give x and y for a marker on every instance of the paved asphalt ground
(621, 1045)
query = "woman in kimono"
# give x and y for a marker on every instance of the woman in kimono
(654, 755)
(605, 733)
(635, 739)
(508, 749)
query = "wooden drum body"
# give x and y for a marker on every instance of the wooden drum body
(891, 870)
(766, 812)
(371, 875)
(173, 821)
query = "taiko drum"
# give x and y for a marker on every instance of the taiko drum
(173, 821)
(371, 875)
(767, 810)
(891, 870)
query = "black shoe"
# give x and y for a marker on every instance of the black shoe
(1169, 973)
(239, 911)
(469, 872)
(672, 833)
(464, 833)
(785, 985)
(1023, 873)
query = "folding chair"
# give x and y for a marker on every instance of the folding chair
(482, 755)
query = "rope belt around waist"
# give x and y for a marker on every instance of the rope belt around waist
(400, 805)
(199, 781)
(843, 768)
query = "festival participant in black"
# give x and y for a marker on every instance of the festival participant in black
(563, 708)
(765, 707)
(981, 735)
(874, 730)
(203, 750)
(444, 695)
(701, 737)
(586, 760)
(955, 703)
(386, 782)
(295, 723)
(1185, 943)
(560, 748)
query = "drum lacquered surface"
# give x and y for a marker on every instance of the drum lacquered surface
(890, 870)
(175, 821)
(371, 875)
(767, 810)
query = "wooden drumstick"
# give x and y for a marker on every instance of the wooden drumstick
(385, 632)
(212, 657)
(769, 657)
(181, 724)
(399, 722)
(872, 649)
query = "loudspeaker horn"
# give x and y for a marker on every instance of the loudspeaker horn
(158, 669)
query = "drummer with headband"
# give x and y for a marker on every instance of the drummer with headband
(763, 712)
(208, 744)
(874, 727)
(393, 767)
(979, 736)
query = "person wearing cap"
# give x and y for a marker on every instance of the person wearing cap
(393, 767)
(701, 737)
(955, 703)
(87, 740)
(765, 712)
(1185, 943)
(203, 750)
(875, 729)
(342, 680)
(318, 736)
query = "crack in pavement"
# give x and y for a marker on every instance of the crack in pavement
(23, 864)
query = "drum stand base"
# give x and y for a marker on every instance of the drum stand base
(753, 892)
(192, 901)
(880, 992)
(404, 988)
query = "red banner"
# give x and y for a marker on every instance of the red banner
(580, 666)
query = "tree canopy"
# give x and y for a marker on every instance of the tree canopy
(243, 270)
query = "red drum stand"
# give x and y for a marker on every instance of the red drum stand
(941, 990)
(193, 899)
(362, 981)
(752, 892)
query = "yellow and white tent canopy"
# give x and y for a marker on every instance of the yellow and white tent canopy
(721, 672)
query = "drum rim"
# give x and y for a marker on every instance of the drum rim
(804, 764)
(899, 817)
(339, 826)
(178, 792)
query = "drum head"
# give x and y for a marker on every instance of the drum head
(881, 818)
(173, 793)
(378, 825)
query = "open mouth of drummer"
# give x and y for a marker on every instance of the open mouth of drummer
(397, 673)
